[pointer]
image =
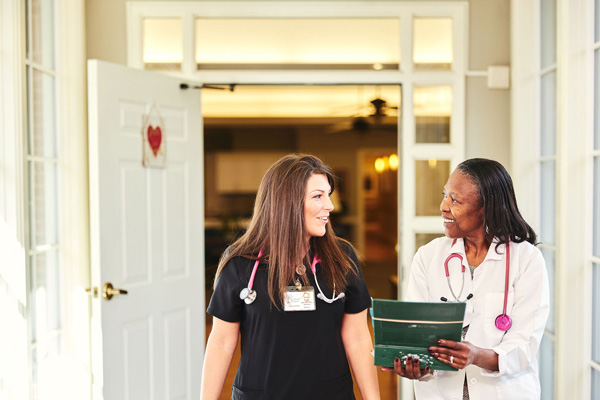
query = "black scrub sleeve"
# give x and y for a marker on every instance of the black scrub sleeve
(357, 293)
(225, 302)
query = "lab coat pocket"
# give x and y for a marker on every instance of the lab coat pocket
(494, 304)
(522, 387)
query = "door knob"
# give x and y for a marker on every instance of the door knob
(108, 291)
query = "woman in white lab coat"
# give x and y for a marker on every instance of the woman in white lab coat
(497, 358)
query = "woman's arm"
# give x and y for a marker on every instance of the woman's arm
(221, 345)
(461, 354)
(358, 346)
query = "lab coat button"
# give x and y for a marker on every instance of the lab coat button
(473, 380)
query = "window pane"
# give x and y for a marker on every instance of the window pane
(548, 114)
(595, 384)
(430, 178)
(432, 108)
(363, 43)
(596, 313)
(42, 33)
(548, 202)
(44, 203)
(597, 99)
(597, 20)
(596, 223)
(163, 43)
(549, 257)
(547, 368)
(432, 45)
(45, 300)
(342, 105)
(422, 239)
(47, 368)
(548, 34)
(42, 127)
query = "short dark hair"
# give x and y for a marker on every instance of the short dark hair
(502, 218)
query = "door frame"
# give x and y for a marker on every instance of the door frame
(406, 77)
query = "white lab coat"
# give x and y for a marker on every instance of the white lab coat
(528, 306)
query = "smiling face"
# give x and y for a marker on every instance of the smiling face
(317, 205)
(461, 208)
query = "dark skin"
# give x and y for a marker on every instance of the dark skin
(462, 211)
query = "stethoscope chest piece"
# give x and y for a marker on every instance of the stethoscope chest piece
(248, 295)
(503, 322)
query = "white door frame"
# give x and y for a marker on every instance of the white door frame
(409, 224)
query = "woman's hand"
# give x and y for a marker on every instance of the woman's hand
(412, 369)
(461, 354)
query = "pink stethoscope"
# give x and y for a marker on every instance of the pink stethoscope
(503, 321)
(249, 295)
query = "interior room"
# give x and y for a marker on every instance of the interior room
(134, 134)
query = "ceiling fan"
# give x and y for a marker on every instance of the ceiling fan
(362, 122)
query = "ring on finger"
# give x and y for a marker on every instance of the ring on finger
(451, 359)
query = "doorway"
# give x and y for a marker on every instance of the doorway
(344, 125)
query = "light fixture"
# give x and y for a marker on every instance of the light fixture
(432, 163)
(379, 165)
(394, 162)
(386, 163)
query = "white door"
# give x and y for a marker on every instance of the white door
(146, 236)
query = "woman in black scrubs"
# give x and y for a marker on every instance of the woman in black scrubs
(296, 295)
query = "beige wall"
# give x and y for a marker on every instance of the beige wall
(487, 110)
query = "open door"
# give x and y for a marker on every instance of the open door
(147, 235)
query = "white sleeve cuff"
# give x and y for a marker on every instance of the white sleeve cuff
(429, 377)
(501, 364)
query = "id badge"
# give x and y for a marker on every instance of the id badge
(299, 299)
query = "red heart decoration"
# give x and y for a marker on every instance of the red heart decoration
(154, 138)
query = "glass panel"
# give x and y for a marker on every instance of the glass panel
(341, 105)
(45, 296)
(361, 43)
(597, 20)
(432, 108)
(547, 368)
(548, 34)
(430, 178)
(42, 127)
(596, 223)
(163, 43)
(597, 99)
(550, 258)
(548, 114)
(43, 201)
(47, 368)
(42, 33)
(596, 313)
(432, 43)
(548, 202)
(422, 239)
(595, 384)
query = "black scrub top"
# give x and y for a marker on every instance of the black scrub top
(288, 355)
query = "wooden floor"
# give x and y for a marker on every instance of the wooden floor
(379, 265)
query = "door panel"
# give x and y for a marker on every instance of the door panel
(146, 237)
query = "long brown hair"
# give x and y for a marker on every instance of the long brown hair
(277, 226)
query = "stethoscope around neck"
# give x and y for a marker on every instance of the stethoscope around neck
(249, 295)
(503, 321)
